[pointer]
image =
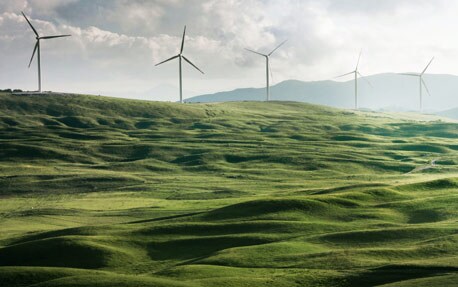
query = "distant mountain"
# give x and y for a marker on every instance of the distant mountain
(390, 92)
(453, 113)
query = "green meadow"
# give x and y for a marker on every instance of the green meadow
(98, 191)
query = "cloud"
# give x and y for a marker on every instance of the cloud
(13, 5)
(115, 44)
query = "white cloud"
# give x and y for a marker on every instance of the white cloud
(115, 44)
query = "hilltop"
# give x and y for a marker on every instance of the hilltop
(113, 192)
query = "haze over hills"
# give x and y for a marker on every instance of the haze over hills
(160, 92)
(452, 113)
(390, 91)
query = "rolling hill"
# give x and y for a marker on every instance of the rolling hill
(98, 191)
(390, 92)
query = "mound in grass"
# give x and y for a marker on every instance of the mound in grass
(202, 246)
(68, 251)
(438, 280)
(446, 183)
(29, 151)
(386, 236)
(217, 275)
(78, 122)
(430, 210)
(227, 228)
(423, 147)
(399, 275)
(113, 280)
(350, 137)
(274, 208)
(25, 276)
(79, 232)
(58, 184)
(426, 216)
(269, 255)
(54, 277)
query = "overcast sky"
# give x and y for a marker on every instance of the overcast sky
(115, 44)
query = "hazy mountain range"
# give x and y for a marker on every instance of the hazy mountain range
(389, 92)
(451, 113)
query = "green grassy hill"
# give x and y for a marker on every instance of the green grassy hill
(97, 191)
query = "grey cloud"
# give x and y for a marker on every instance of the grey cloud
(380, 7)
(123, 39)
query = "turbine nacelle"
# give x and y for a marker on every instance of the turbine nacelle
(419, 74)
(181, 56)
(267, 56)
(37, 47)
(356, 73)
(346, 74)
(422, 81)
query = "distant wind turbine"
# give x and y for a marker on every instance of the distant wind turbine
(267, 56)
(37, 47)
(356, 73)
(181, 56)
(421, 82)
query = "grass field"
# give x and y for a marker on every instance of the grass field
(97, 191)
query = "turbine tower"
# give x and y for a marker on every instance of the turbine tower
(267, 56)
(181, 57)
(356, 74)
(37, 47)
(421, 82)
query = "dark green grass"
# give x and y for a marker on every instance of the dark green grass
(97, 191)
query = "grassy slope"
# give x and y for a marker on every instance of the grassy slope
(96, 190)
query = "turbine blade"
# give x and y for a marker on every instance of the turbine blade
(345, 74)
(426, 87)
(52, 37)
(169, 59)
(427, 66)
(182, 40)
(35, 31)
(186, 59)
(364, 78)
(359, 57)
(410, 74)
(33, 54)
(255, 52)
(277, 47)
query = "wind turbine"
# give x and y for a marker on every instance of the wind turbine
(267, 56)
(37, 47)
(181, 56)
(421, 82)
(356, 73)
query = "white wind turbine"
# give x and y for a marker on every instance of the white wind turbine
(356, 74)
(267, 56)
(421, 82)
(181, 56)
(37, 47)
